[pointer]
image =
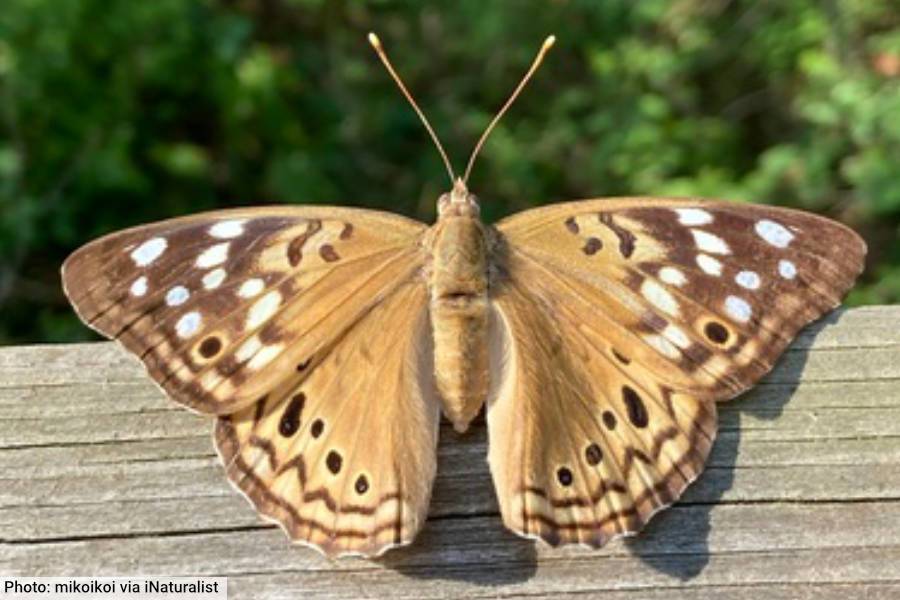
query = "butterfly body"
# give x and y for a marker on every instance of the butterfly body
(459, 305)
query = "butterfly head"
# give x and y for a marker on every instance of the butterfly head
(458, 202)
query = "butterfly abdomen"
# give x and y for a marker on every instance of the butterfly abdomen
(459, 313)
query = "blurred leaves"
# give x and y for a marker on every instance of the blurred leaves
(114, 113)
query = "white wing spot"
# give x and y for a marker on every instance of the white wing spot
(709, 265)
(774, 233)
(672, 276)
(214, 279)
(265, 356)
(149, 251)
(227, 229)
(139, 287)
(188, 324)
(214, 255)
(677, 336)
(177, 295)
(710, 243)
(210, 380)
(248, 349)
(738, 309)
(251, 288)
(747, 279)
(659, 297)
(787, 269)
(263, 309)
(693, 216)
(662, 345)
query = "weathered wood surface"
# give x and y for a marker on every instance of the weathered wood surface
(101, 475)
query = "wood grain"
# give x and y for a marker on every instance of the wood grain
(101, 475)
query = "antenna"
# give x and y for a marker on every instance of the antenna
(548, 43)
(376, 43)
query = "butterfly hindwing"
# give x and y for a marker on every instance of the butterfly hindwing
(617, 338)
(343, 454)
(220, 305)
(582, 448)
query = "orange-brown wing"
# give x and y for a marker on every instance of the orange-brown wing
(220, 306)
(704, 295)
(343, 453)
(618, 324)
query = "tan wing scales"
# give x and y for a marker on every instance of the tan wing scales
(582, 451)
(691, 284)
(618, 324)
(343, 454)
(220, 305)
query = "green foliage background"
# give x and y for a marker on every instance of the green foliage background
(118, 112)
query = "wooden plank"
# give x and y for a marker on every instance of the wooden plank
(101, 475)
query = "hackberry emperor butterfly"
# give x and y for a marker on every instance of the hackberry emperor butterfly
(599, 334)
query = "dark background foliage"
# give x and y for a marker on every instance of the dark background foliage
(118, 112)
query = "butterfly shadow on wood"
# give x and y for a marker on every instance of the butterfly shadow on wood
(676, 542)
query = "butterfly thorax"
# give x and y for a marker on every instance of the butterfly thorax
(459, 305)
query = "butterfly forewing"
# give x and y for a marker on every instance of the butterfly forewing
(716, 288)
(624, 320)
(219, 306)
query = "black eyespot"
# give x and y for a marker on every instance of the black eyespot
(333, 461)
(302, 366)
(210, 347)
(362, 485)
(290, 419)
(637, 412)
(609, 419)
(593, 454)
(564, 476)
(716, 332)
(317, 428)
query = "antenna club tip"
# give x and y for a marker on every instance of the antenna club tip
(548, 43)
(373, 39)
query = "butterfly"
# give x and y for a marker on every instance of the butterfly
(597, 334)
